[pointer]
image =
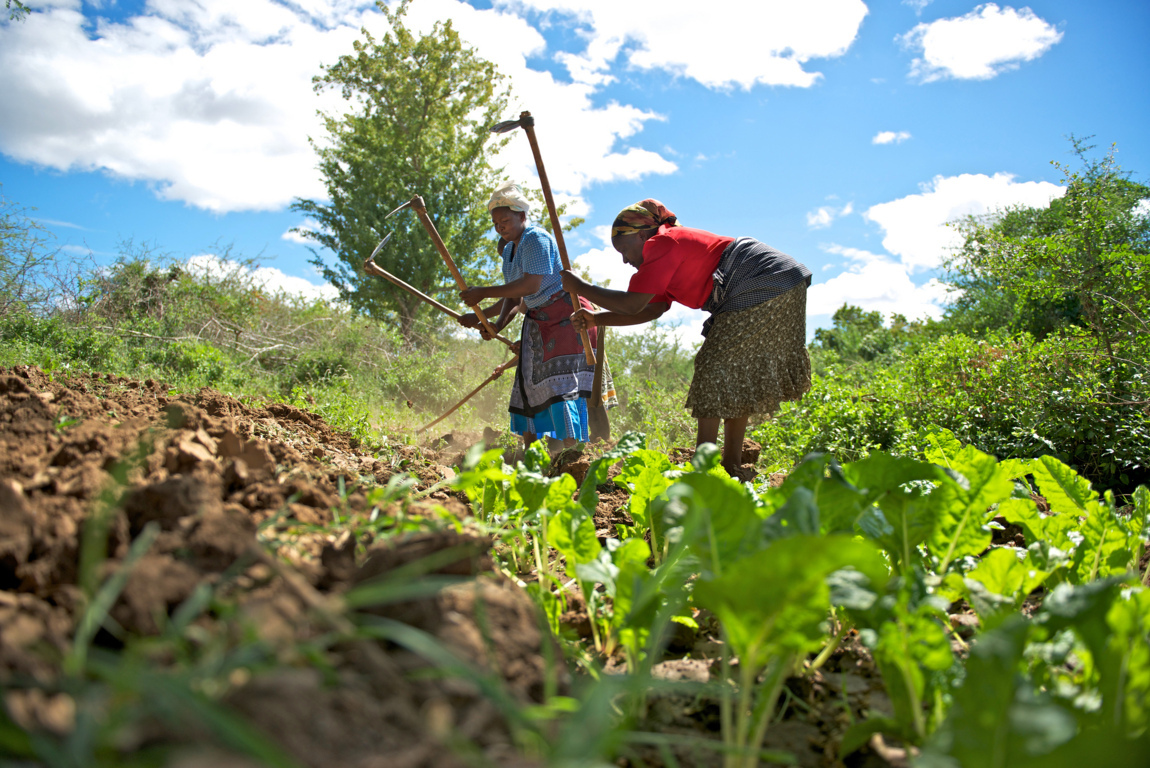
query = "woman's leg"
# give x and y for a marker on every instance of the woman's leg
(733, 432)
(708, 431)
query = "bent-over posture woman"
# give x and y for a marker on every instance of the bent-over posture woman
(553, 379)
(754, 356)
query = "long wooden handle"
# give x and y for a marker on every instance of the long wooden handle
(421, 211)
(495, 375)
(529, 127)
(372, 268)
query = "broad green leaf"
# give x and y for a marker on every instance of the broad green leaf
(572, 533)
(1067, 492)
(942, 448)
(604, 568)
(1001, 573)
(1015, 468)
(536, 458)
(1129, 643)
(911, 643)
(839, 502)
(643, 474)
(1112, 633)
(706, 458)
(597, 472)
(997, 720)
(1105, 549)
(635, 551)
(880, 474)
(601, 570)
(900, 523)
(1052, 531)
(560, 493)
(640, 460)
(529, 489)
(774, 600)
(1138, 524)
(718, 520)
(963, 506)
(798, 515)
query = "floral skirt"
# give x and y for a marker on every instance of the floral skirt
(753, 359)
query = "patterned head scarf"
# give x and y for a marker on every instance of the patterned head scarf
(509, 195)
(643, 215)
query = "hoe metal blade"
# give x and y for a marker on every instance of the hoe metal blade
(379, 247)
(506, 125)
(397, 210)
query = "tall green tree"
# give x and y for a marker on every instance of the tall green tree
(418, 118)
(1082, 261)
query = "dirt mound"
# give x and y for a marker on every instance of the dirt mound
(252, 523)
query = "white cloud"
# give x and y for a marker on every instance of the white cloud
(212, 102)
(721, 44)
(915, 227)
(269, 279)
(875, 282)
(918, 5)
(308, 225)
(983, 43)
(890, 137)
(824, 216)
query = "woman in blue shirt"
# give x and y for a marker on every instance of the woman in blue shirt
(553, 379)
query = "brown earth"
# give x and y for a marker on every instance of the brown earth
(283, 523)
(88, 464)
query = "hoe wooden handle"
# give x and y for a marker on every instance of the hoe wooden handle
(421, 211)
(372, 268)
(495, 375)
(529, 126)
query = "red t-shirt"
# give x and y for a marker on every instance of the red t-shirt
(678, 264)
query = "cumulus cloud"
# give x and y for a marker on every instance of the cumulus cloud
(980, 45)
(211, 102)
(269, 279)
(890, 137)
(292, 236)
(876, 282)
(721, 44)
(824, 216)
(915, 227)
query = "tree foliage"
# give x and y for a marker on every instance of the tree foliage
(858, 335)
(1082, 261)
(17, 11)
(419, 111)
(27, 258)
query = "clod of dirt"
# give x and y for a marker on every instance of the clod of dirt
(208, 468)
(751, 451)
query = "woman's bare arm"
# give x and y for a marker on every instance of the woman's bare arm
(621, 302)
(586, 319)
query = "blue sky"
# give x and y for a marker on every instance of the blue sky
(843, 132)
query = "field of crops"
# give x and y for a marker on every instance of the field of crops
(194, 580)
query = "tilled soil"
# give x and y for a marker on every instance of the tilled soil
(264, 525)
(89, 465)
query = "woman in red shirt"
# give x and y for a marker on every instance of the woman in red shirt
(754, 356)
